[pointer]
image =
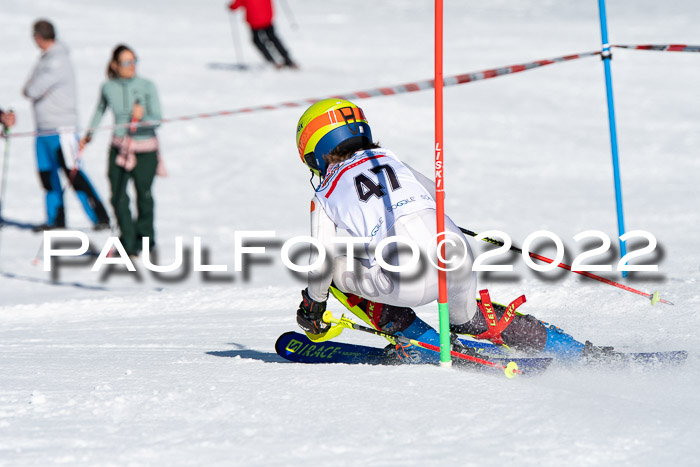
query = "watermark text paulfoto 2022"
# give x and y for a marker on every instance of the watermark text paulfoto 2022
(113, 253)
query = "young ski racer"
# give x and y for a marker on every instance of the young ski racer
(367, 191)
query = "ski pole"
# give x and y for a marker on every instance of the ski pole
(236, 40)
(653, 297)
(3, 180)
(288, 13)
(5, 157)
(510, 370)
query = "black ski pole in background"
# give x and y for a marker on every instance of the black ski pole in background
(233, 20)
(3, 179)
(5, 157)
(288, 13)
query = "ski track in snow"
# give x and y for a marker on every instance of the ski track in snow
(180, 369)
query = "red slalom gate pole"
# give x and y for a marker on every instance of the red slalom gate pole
(443, 306)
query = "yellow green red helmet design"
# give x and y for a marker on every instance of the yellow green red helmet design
(329, 124)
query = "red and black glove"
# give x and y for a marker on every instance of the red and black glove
(310, 314)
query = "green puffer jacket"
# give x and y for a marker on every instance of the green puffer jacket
(120, 95)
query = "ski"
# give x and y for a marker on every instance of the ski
(235, 66)
(646, 359)
(296, 347)
(614, 358)
(651, 359)
(20, 225)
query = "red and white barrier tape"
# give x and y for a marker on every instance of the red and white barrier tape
(388, 91)
(662, 47)
(382, 91)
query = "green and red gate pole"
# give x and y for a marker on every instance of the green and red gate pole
(443, 306)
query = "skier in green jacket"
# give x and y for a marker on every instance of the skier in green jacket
(134, 151)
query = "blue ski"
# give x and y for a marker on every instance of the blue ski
(296, 347)
(661, 358)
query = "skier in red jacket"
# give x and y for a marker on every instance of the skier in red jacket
(259, 16)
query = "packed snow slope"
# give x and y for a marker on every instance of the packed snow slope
(119, 368)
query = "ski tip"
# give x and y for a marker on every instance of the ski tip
(511, 369)
(332, 333)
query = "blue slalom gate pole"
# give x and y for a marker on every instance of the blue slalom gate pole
(606, 56)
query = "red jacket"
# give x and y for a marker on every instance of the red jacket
(258, 13)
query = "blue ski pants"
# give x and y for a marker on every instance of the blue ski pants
(56, 152)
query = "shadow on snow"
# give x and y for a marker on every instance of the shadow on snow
(243, 352)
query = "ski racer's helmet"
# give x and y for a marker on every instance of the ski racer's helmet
(327, 125)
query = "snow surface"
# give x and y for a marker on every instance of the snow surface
(179, 369)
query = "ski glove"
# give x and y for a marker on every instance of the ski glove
(310, 314)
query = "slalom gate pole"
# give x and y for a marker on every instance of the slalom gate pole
(443, 305)
(606, 56)
(233, 20)
(511, 369)
(653, 297)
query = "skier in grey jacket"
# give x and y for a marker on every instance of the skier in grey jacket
(51, 89)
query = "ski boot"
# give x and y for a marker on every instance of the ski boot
(501, 325)
(566, 348)
(459, 346)
(400, 321)
(401, 354)
(560, 344)
(417, 329)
